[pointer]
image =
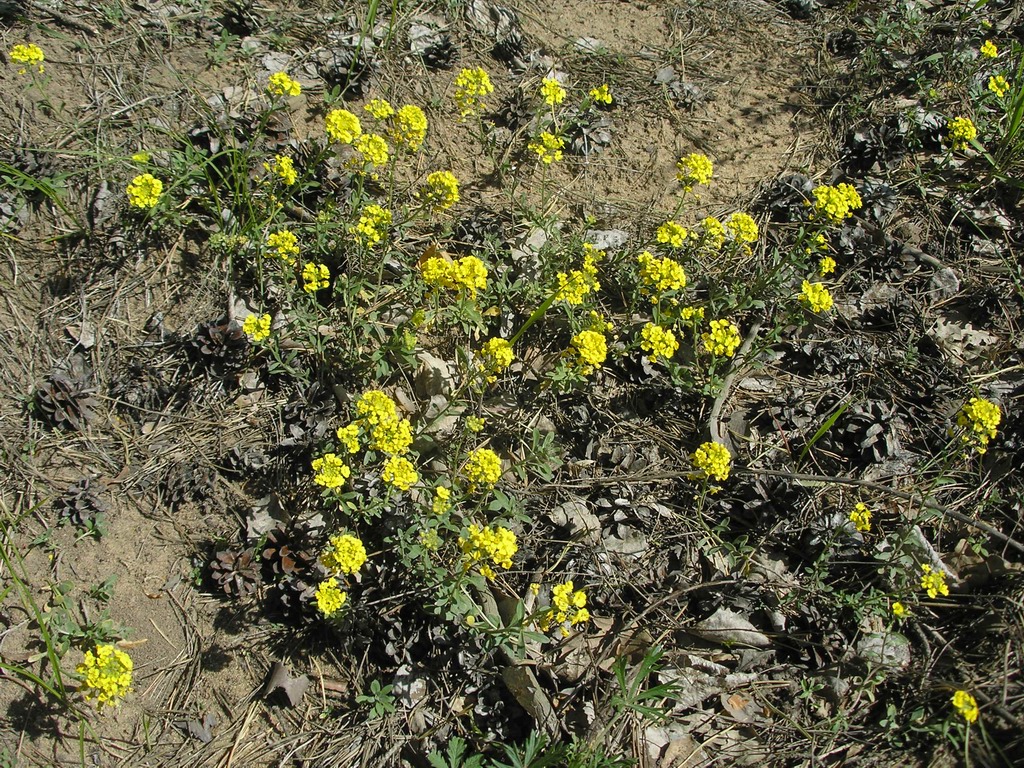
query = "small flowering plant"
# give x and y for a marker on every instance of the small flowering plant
(106, 675)
(28, 55)
(965, 706)
(144, 191)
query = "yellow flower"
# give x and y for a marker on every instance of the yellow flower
(144, 191)
(442, 500)
(329, 597)
(284, 168)
(375, 407)
(714, 233)
(343, 126)
(331, 471)
(933, 582)
(468, 274)
(580, 283)
(692, 315)
(961, 132)
(658, 342)
(989, 50)
(998, 85)
(440, 192)
(471, 86)
(495, 356)
(257, 327)
(826, 266)
(548, 147)
(835, 204)
(344, 554)
(551, 91)
(568, 609)
(591, 350)
(496, 544)
(980, 417)
(713, 460)
(660, 275)
(482, 469)
(28, 55)
(409, 127)
(140, 157)
(349, 437)
(475, 424)
(391, 436)
(280, 84)
(899, 610)
(315, 277)
(672, 234)
(723, 339)
(285, 243)
(106, 674)
(381, 109)
(693, 169)
(742, 227)
(602, 94)
(374, 222)
(399, 473)
(965, 705)
(861, 518)
(371, 152)
(816, 297)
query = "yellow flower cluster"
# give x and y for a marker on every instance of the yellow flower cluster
(371, 151)
(998, 85)
(257, 327)
(568, 606)
(280, 84)
(580, 283)
(965, 705)
(286, 245)
(315, 277)
(552, 91)
(343, 126)
(373, 224)
(399, 473)
(713, 459)
(28, 55)
(442, 500)
(742, 228)
(284, 168)
(693, 169)
(380, 109)
(861, 517)
(483, 469)
(495, 544)
(329, 597)
(660, 275)
(349, 437)
(989, 50)
(826, 266)
(409, 127)
(815, 297)
(933, 582)
(714, 232)
(495, 356)
(344, 554)
(591, 350)
(467, 274)
(548, 147)
(331, 471)
(440, 192)
(980, 417)
(475, 424)
(658, 342)
(106, 674)
(602, 94)
(961, 132)
(835, 204)
(899, 610)
(144, 191)
(671, 234)
(471, 85)
(388, 433)
(692, 315)
(723, 339)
